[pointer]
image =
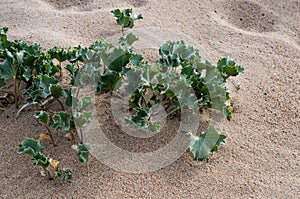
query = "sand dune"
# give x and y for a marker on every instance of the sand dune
(262, 155)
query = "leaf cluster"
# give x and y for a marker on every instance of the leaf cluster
(35, 149)
(178, 80)
(126, 18)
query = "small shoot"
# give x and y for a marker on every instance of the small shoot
(83, 152)
(35, 149)
(125, 18)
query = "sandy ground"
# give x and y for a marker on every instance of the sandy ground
(262, 155)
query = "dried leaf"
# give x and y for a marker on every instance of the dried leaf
(69, 136)
(44, 136)
(42, 172)
(54, 164)
(74, 147)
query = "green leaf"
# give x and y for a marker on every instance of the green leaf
(84, 103)
(69, 93)
(41, 160)
(58, 53)
(30, 146)
(154, 126)
(128, 40)
(2, 82)
(136, 59)
(35, 93)
(83, 152)
(68, 174)
(125, 18)
(27, 74)
(45, 82)
(4, 44)
(76, 54)
(141, 119)
(43, 116)
(207, 143)
(108, 81)
(73, 69)
(227, 67)
(61, 120)
(118, 59)
(7, 70)
(56, 91)
(82, 119)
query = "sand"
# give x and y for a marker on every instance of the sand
(262, 155)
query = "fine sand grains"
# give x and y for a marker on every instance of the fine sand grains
(262, 154)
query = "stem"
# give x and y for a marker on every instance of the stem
(81, 135)
(174, 110)
(61, 104)
(33, 103)
(73, 137)
(23, 107)
(60, 72)
(117, 95)
(50, 134)
(123, 31)
(16, 93)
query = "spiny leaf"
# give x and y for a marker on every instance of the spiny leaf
(30, 146)
(228, 67)
(207, 143)
(41, 160)
(83, 103)
(69, 93)
(58, 53)
(73, 69)
(118, 59)
(56, 90)
(82, 119)
(43, 116)
(45, 82)
(61, 120)
(83, 152)
(136, 59)
(125, 18)
(128, 40)
(65, 174)
(27, 74)
(7, 70)
(4, 43)
(108, 81)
